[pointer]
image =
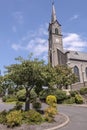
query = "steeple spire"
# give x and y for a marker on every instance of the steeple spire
(53, 17)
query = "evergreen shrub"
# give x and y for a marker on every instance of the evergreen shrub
(33, 117)
(14, 118)
(78, 99)
(3, 117)
(83, 91)
(73, 93)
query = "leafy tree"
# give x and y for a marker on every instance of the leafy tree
(27, 73)
(64, 76)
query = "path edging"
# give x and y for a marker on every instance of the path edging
(61, 125)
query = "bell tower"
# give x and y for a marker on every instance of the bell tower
(55, 39)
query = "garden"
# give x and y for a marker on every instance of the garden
(28, 84)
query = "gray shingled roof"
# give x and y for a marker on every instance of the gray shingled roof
(77, 55)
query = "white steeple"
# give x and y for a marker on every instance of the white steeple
(53, 17)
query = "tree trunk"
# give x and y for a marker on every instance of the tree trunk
(27, 102)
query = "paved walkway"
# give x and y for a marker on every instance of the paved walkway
(77, 115)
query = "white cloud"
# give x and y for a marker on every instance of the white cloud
(35, 42)
(74, 17)
(73, 41)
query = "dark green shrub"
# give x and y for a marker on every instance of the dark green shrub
(3, 117)
(4, 98)
(32, 116)
(44, 93)
(14, 118)
(18, 105)
(69, 101)
(83, 91)
(36, 105)
(9, 98)
(60, 95)
(73, 93)
(78, 99)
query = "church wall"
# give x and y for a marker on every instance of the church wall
(82, 68)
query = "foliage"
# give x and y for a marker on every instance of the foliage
(32, 116)
(3, 117)
(83, 91)
(50, 112)
(73, 93)
(71, 100)
(21, 95)
(44, 93)
(33, 95)
(51, 100)
(36, 105)
(52, 108)
(27, 73)
(9, 98)
(78, 99)
(14, 118)
(18, 105)
(64, 76)
(60, 95)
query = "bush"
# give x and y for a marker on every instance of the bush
(9, 98)
(71, 100)
(4, 98)
(36, 105)
(18, 106)
(78, 99)
(50, 112)
(73, 93)
(32, 117)
(14, 118)
(3, 117)
(83, 91)
(51, 100)
(52, 109)
(44, 93)
(60, 95)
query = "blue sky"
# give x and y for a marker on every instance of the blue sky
(24, 27)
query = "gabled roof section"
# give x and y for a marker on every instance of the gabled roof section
(76, 55)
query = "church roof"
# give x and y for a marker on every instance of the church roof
(76, 55)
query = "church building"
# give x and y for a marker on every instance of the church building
(58, 56)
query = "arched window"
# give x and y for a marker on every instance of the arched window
(86, 71)
(76, 71)
(56, 31)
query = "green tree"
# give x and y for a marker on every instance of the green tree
(27, 73)
(64, 76)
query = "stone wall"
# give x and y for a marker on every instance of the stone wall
(78, 86)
